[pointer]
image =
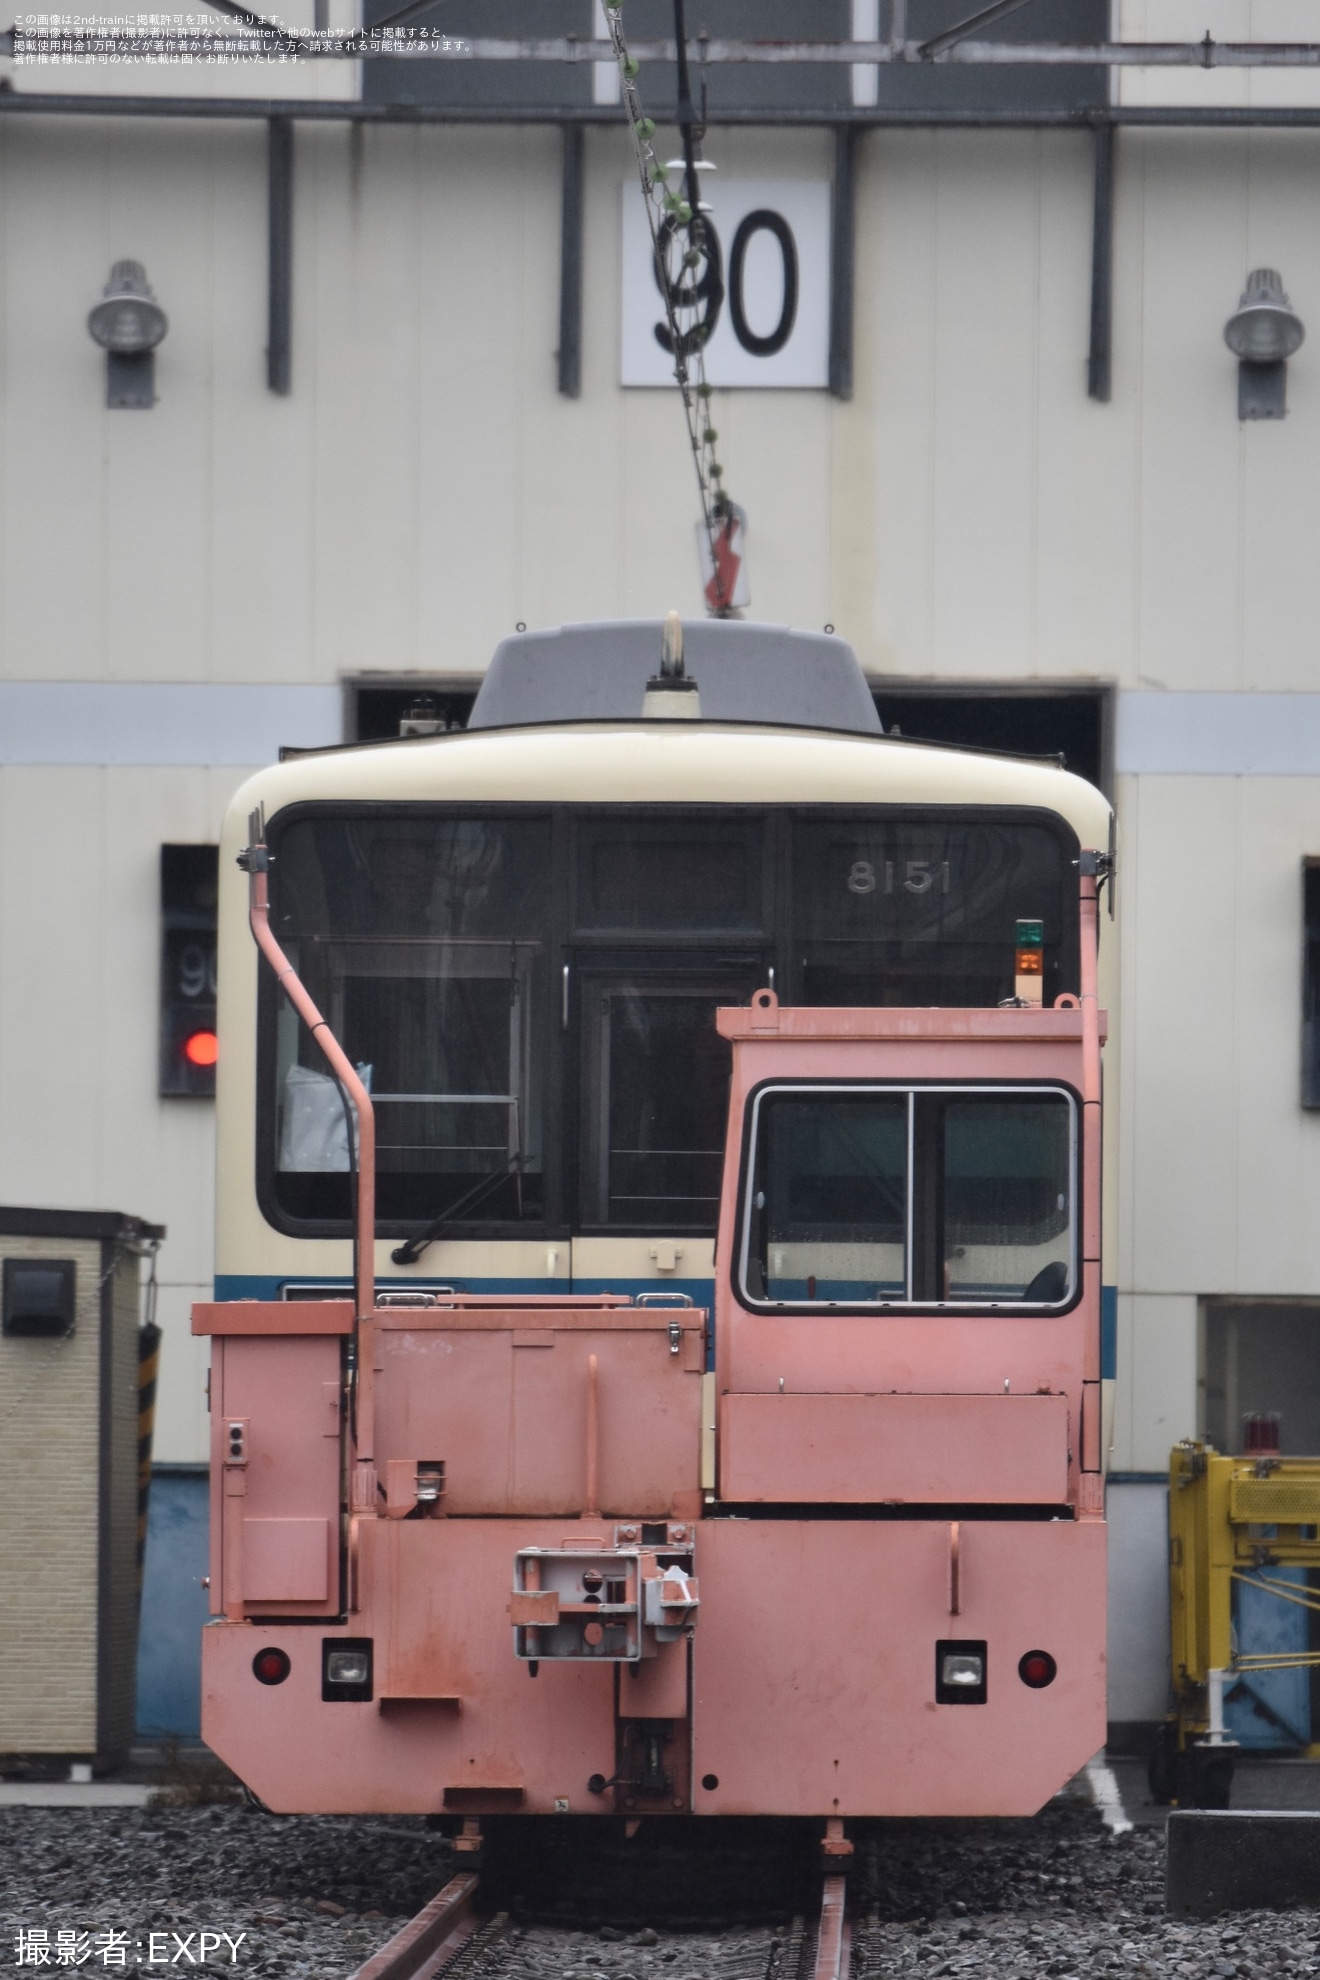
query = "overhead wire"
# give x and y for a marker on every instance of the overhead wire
(672, 216)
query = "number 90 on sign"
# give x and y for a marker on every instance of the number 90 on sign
(770, 324)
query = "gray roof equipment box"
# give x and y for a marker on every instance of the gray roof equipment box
(746, 673)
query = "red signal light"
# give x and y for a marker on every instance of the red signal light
(270, 1666)
(201, 1048)
(1037, 1669)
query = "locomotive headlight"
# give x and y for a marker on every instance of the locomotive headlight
(347, 1667)
(960, 1664)
(346, 1673)
(959, 1669)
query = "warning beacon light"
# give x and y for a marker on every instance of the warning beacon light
(1029, 962)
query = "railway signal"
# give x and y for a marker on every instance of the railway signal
(189, 1047)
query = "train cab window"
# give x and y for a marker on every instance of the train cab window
(657, 1090)
(879, 1197)
(670, 915)
(1001, 1228)
(679, 875)
(420, 939)
(900, 911)
(829, 1213)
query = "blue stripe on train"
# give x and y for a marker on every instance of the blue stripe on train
(242, 1285)
(1108, 1333)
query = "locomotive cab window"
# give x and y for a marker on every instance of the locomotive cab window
(883, 1197)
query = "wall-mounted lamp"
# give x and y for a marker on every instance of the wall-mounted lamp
(1263, 333)
(128, 323)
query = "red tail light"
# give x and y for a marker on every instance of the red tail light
(1038, 1669)
(270, 1666)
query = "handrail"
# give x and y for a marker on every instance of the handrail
(257, 861)
(1092, 866)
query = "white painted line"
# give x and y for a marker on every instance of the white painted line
(1105, 1794)
(74, 1794)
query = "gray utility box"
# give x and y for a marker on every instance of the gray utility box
(69, 1480)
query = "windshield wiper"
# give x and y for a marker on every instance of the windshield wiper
(412, 1248)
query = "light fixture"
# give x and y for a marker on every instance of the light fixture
(128, 323)
(271, 1666)
(1263, 333)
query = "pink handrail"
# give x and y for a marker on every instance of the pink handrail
(342, 1067)
(1089, 1000)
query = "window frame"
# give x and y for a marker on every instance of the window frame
(266, 1150)
(903, 1308)
(564, 1095)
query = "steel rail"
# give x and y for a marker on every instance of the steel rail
(427, 1943)
(834, 1939)
(834, 1934)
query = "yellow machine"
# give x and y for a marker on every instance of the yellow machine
(1233, 1521)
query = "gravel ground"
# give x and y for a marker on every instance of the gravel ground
(1059, 1896)
(313, 1895)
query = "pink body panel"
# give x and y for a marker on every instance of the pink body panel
(894, 1449)
(814, 1668)
(502, 1401)
(286, 1560)
(866, 1353)
(815, 1665)
(254, 1316)
(459, 1713)
(275, 1522)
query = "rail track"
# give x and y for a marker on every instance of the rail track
(450, 1936)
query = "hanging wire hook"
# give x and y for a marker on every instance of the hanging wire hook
(670, 216)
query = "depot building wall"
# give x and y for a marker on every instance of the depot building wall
(183, 588)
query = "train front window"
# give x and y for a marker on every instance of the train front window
(656, 1082)
(933, 1197)
(531, 990)
(420, 939)
(682, 876)
(907, 911)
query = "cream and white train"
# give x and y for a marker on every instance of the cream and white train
(523, 931)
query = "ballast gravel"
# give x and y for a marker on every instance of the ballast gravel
(130, 1892)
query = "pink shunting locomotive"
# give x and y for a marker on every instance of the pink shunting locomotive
(832, 1545)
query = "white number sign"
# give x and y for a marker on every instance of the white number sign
(766, 299)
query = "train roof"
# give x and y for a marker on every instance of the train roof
(641, 761)
(745, 673)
